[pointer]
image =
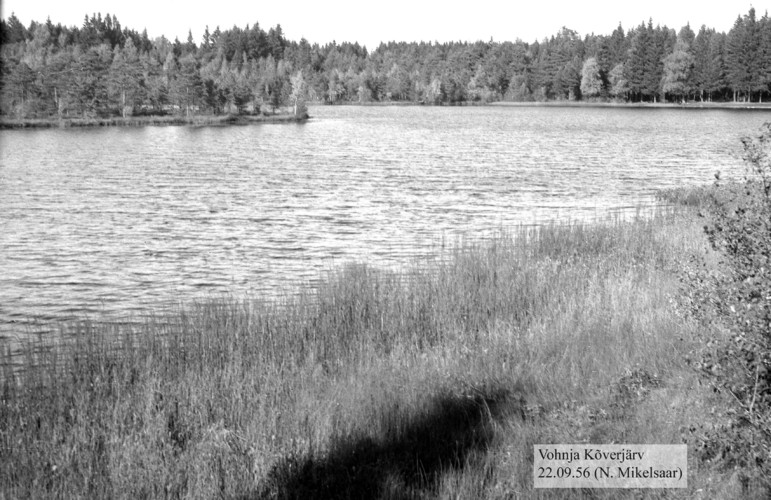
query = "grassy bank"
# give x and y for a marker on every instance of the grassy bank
(433, 381)
(140, 121)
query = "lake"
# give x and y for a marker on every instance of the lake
(109, 223)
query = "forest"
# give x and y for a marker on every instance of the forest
(105, 69)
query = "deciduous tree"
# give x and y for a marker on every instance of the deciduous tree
(678, 67)
(297, 97)
(591, 81)
(619, 85)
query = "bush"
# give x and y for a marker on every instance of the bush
(740, 229)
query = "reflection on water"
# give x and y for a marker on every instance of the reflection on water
(110, 222)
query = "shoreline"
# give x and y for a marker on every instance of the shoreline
(761, 106)
(153, 120)
(382, 371)
(224, 120)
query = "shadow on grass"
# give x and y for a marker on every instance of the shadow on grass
(409, 463)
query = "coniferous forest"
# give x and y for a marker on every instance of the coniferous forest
(104, 69)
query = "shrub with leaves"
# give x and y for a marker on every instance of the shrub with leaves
(740, 228)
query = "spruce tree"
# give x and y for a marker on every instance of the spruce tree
(701, 61)
(743, 58)
(124, 78)
(635, 66)
(765, 54)
(654, 60)
(716, 74)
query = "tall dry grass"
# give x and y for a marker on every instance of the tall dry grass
(432, 381)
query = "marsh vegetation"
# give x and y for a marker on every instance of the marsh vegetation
(435, 380)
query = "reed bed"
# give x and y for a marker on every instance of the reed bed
(432, 381)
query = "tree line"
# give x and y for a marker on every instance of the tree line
(102, 69)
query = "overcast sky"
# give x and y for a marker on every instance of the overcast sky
(370, 22)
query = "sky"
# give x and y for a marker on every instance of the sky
(370, 23)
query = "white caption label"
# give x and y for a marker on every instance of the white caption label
(610, 466)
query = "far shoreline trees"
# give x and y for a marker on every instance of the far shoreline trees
(104, 69)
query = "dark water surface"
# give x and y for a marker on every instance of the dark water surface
(111, 222)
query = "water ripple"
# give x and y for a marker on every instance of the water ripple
(113, 222)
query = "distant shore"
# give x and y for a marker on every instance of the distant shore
(670, 105)
(229, 119)
(140, 121)
(568, 104)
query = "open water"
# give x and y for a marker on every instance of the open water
(109, 223)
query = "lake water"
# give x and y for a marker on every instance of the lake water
(111, 222)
